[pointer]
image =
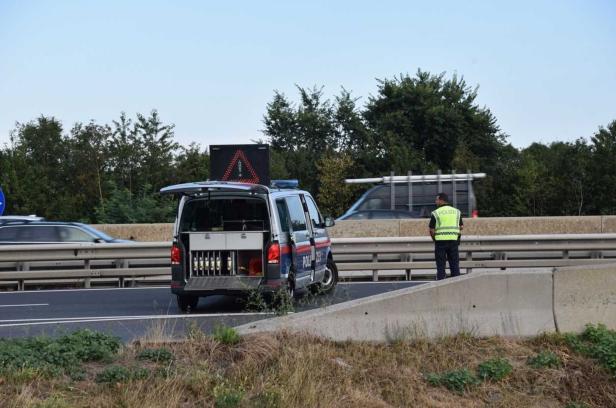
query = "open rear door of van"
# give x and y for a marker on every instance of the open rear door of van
(204, 186)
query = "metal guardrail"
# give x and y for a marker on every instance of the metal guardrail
(406, 256)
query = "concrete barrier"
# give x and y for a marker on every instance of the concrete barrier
(584, 294)
(408, 228)
(484, 304)
(139, 232)
(608, 223)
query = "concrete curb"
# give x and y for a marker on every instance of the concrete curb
(483, 304)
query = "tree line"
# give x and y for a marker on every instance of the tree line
(111, 173)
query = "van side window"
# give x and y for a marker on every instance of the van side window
(315, 217)
(283, 215)
(296, 213)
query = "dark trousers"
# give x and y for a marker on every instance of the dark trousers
(446, 251)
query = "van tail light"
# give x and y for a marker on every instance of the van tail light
(175, 254)
(475, 214)
(255, 267)
(273, 253)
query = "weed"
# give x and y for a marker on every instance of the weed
(282, 302)
(544, 359)
(597, 342)
(458, 380)
(227, 397)
(54, 401)
(119, 374)
(255, 301)
(577, 405)
(226, 335)
(267, 399)
(158, 355)
(495, 369)
(194, 332)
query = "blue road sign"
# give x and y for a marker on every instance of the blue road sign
(1, 201)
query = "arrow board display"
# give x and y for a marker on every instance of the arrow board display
(241, 163)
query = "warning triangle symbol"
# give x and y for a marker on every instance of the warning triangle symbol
(240, 169)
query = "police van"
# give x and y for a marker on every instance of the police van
(232, 237)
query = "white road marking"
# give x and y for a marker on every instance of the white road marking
(21, 292)
(167, 288)
(26, 305)
(68, 320)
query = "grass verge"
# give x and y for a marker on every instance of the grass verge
(289, 370)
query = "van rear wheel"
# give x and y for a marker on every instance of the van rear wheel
(187, 303)
(330, 278)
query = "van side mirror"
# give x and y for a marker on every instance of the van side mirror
(329, 222)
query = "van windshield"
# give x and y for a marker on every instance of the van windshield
(225, 214)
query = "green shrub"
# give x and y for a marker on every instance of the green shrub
(120, 374)
(544, 359)
(226, 335)
(495, 369)
(158, 355)
(457, 380)
(597, 342)
(55, 356)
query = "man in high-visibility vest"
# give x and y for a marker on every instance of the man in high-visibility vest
(446, 230)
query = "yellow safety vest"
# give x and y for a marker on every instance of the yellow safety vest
(447, 223)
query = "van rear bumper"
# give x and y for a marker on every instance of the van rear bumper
(220, 285)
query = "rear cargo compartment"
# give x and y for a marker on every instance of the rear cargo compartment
(226, 254)
(224, 237)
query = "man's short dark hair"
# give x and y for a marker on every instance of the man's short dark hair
(443, 197)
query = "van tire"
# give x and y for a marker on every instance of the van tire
(187, 303)
(330, 279)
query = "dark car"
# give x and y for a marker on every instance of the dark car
(379, 215)
(231, 238)
(18, 232)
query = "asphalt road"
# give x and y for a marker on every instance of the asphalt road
(135, 313)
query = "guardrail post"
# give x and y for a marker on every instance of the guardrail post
(409, 258)
(565, 254)
(375, 272)
(469, 257)
(86, 281)
(21, 283)
(121, 263)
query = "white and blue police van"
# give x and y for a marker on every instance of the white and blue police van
(231, 238)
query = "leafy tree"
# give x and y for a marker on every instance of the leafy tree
(603, 169)
(124, 152)
(87, 162)
(421, 121)
(37, 178)
(157, 149)
(300, 135)
(191, 164)
(335, 197)
(122, 207)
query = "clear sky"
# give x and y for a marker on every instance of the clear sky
(546, 69)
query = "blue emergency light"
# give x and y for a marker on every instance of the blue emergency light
(294, 183)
